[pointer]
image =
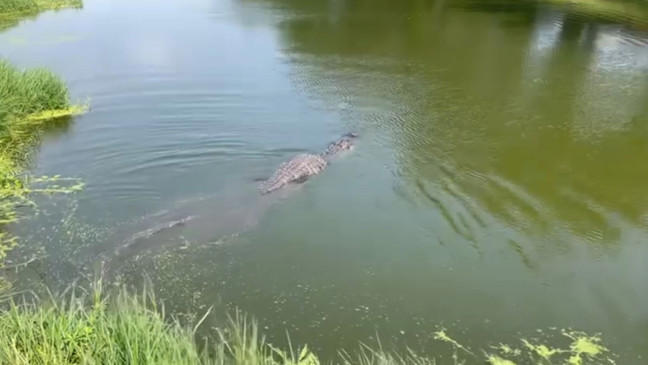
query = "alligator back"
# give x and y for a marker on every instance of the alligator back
(300, 168)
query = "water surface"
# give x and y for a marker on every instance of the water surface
(498, 186)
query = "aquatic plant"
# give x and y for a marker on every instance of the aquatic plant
(14, 6)
(26, 99)
(92, 327)
(30, 101)
(31, 91)
(81, 330)
(86, 327)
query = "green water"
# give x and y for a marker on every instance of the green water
(499, 185)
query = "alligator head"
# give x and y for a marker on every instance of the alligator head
(343, 144)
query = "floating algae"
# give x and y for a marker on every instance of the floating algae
(71, 111)
(441, 335)
(496, 360)
(582, 344)
(541, 350)
(30, 99)
(507, 350)
(16, 197)
(582, 349)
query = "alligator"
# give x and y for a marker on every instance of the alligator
(305, 165)
(148, 233)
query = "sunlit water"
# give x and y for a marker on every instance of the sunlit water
(499, 184)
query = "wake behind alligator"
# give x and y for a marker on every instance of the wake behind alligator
(239, 217)
(150, 232)
(303, 166)
(296, 170)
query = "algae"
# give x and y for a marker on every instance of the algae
(584, 346)
(545, 352)
(70, 111)
(441, 335)
(496, 360)
(31, 101)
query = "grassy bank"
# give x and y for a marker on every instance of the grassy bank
(92, 328)
(30, 101)
(11, 7)
(14, 11)
(632, 12)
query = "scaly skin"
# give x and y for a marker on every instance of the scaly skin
(303, 166)
(298, 169)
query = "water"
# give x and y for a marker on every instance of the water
(498, 186)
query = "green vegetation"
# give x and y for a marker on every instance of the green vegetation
(13, 11)
(30, 101)
(9, 7)
(89, 327)
(67, 332)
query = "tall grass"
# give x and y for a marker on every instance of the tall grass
(26, 6)
(27, 100)
(91, 327)
(24, 94)
(24, 97)
(82, 328)
(15, 6)
(30, 91)
(128, 330)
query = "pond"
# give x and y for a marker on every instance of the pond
(498, 186)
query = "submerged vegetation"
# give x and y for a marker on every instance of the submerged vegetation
(89, 327)
(30, 101)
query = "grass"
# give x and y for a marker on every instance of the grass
(8, 7)
(30, 101)
(68, 332)
(16, 6)
(90, 327)
(14, 11)
(24, 93)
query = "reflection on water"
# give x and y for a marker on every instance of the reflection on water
(538, 117)
(497, 186)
